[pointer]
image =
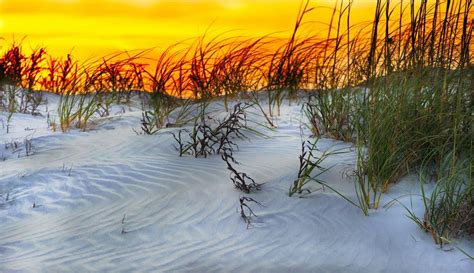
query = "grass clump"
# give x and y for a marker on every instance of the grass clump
(308, 162)
(449, 208)
(20, 73)
(330, 113)
(75, 107)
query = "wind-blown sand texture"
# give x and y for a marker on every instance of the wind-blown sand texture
(109, 200)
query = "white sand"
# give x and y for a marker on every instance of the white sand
(181, 213)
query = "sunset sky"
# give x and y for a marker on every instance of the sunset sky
(97, 27)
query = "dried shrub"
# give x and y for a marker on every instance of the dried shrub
(240, 180)
(245, 211)
(205, 139)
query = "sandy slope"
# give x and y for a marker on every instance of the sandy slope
(180, 214)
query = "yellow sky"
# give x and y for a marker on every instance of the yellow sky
(97, 27)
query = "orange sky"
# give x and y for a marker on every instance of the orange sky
(91, 28)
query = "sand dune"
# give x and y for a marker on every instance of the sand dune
(109, 200)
